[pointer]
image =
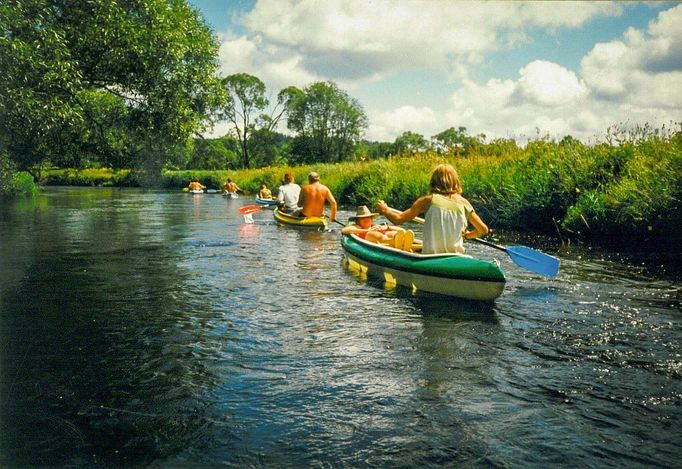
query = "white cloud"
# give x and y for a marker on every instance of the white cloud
(360, 39)
(278, 70)
(644, 69)
(637, 79)
(548, 84)
(386, 126)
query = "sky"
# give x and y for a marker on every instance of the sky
(504, 69)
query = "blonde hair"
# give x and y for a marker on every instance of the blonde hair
(445, 180)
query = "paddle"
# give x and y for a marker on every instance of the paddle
(523, 256)
(249, 209)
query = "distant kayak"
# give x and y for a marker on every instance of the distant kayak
(287, 219)
(231, 195)
(196, 191)
(268, 202)
(457, 275)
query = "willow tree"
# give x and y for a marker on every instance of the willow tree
(103, 76)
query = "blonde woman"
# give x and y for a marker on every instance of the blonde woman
(448, 214)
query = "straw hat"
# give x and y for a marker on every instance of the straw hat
(363, 212)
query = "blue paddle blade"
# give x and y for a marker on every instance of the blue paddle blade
(533, 260)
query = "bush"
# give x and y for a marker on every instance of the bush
(14, 182)
(100, 177)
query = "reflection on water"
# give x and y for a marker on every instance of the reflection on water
(151, 328)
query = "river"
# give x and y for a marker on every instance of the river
(156, 329)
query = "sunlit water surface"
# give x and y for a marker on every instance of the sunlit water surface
(158, 329)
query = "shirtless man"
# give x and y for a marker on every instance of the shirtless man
(313, 197)
(195, 185)
(231, 186)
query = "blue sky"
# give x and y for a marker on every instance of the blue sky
(505, 69)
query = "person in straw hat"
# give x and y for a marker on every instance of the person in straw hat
(392, 235)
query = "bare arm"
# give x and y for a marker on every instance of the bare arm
(301, 198)
(419, 206)
(332, 205)
(480, 228)
(353, 229)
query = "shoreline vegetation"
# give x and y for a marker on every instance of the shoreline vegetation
(624, 193)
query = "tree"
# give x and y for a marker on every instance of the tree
(59, 59)
(218, 153)
(374, 150)
(38, 80)
(328, 122)
(457, 141)
(411, 142)
(246, 97)
(268, 148)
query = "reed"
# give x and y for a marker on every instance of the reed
(625, 190)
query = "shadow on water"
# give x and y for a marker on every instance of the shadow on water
(429, 305)
(101, 357)
(432, 306)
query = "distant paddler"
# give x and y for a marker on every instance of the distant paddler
(195, 186)
(231, 188)
(264, 192)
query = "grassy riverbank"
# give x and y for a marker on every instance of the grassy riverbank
(623, 192)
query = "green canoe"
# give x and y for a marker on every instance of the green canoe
(449, 274)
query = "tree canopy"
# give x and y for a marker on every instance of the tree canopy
(327, 121)
(115, 79)
(246, 98)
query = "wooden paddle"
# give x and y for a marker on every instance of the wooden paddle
(523, 256)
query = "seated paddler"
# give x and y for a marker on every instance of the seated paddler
(365, 228)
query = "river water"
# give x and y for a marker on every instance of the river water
(156, 329)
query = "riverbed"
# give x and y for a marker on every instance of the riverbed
(159, 329)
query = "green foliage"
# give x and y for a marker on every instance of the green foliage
(625, 193)
(23, 183)
(410, 143)
(246, 97)
(327, 121)
(642, 202)
(220, 153)
(89, 177)
(106, 82)
(12, 182)
(373, 150)
(365, 183)
(457, 142)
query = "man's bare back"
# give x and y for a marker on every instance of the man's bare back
(313, 198)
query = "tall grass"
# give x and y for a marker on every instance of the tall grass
(624, 190)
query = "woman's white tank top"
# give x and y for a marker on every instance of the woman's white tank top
(445, 224)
